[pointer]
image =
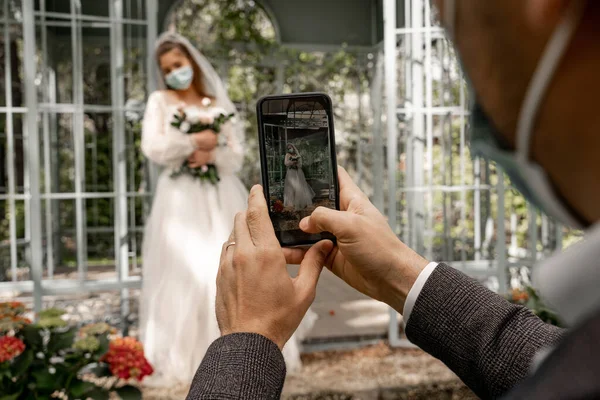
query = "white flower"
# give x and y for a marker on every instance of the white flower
(207, 119)
(185, 127)
(56, 360)
(204, 168)
(40, 355)
(192, 114)
(195, 115)
(206, 102)
(218, 111)
(52, 370)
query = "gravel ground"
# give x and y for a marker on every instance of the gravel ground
(375, 372)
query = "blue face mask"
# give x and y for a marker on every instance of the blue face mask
(180, 79)
(526, 176)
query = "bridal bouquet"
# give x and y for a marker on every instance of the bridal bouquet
(52, 359)
(294, 159)
(193, 120)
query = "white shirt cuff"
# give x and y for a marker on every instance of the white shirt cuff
(415, 291)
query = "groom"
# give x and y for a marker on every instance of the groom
(537, 55)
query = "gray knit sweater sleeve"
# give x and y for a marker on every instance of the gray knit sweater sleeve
(487, 341)
(240, 366)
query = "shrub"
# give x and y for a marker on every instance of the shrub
(529, 298)
(50, 357)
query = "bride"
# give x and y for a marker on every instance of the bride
(191, 218)
(297, 192)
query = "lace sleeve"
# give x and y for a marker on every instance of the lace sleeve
(229, 157)
(163, 148)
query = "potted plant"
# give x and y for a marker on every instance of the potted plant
(50, 358)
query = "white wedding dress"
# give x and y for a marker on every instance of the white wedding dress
(297, 193)
(189, 222)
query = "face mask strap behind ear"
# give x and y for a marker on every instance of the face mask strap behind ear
(542, 77)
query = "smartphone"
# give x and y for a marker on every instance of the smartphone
(298, 162)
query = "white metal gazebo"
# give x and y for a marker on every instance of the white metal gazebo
(48, 121)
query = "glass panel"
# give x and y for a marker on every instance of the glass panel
(19, 241)
(98, 128)
(137, 172)
(19, 152)
(100, 234)
(62, 153)
(138, 208)
(11, 59)
(134, 55)
(3, 155)
(64, 236)
(96, 66)
(134, 9)
(96, 8)
(14, 9)
(60, 50)
(14, 155)
(54, 6)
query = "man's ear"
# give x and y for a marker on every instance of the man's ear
(545, 14)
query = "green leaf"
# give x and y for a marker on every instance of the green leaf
(13, 396)
(98, 394)
(104, 344)
(44, 379)
(22, 363)
(129, 392)
(79, 388)
(51, 313)
(31, 336)
(61, 340)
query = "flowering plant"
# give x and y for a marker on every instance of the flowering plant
(193, 120)
(277, 206)
(529, 298)
(294, 159)
(50, 358)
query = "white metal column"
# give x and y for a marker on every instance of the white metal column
(33, 152)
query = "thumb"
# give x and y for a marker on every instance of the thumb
(326, 220)
(310, 268)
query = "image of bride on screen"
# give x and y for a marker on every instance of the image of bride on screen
(297, 193)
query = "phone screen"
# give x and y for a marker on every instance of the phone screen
(299, 167)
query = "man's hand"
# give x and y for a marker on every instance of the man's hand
(368, 256)
(255, 292)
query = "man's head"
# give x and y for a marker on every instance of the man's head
(500, 44)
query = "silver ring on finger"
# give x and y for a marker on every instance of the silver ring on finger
(229, 244)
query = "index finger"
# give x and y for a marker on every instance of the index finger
(348, 189)
(259, 221)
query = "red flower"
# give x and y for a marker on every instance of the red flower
(10, 348)
(126, 359)
(278, 206)
(12, 308)
(519, 296)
